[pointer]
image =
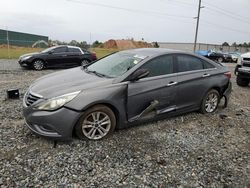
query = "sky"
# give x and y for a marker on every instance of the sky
(157, 20)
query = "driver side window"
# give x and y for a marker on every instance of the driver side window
(158, 66)
(60, 50)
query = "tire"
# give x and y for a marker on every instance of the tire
(85, 62)
(220, 59)
(242, 82)
(210, 102)
(97, 123)
(38, 65)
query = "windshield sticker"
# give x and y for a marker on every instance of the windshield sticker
(140, 57)
(135, 62)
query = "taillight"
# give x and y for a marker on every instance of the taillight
(93, 55)
(228, 74)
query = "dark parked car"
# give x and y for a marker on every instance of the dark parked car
(121, 89)
(57, 56)
(220, 57)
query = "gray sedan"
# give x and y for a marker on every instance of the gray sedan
(122, 89)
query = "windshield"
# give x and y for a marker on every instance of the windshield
(49, 49)
(116, 64)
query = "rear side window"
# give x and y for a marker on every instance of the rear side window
(188, 63)
(159, 66)
(75, 50)
(60, 49)
(208, 65)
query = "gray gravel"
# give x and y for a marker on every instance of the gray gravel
(192, 150)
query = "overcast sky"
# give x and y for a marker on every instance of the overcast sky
(157, 20)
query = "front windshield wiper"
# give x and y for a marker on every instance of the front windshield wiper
(96, 73)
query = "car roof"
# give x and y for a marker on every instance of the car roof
(66, 46)
(150, 51)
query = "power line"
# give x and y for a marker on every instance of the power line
(219, 10)
(227, 11)
(226, 28)
(129, 10)
(228, 15)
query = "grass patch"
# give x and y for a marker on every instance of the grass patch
(16, 52)
(101, 52)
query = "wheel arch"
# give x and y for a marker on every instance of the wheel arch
(104, 103)
(38, 58)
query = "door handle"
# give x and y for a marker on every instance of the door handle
(172, 83)
(205, 75)
(64, 55)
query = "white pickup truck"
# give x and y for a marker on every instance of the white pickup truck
(242, 70)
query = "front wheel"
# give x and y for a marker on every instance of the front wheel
(97, 122)
(38, 65)
(210, 102)
(242, 82)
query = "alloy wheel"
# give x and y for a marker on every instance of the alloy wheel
(96, 125)
(211, 102)
(38, 65)
(220, 60)
(85, 62)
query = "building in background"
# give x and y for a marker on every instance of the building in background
(188, 47)
(14, 38)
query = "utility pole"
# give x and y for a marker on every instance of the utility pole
(8, 42)
(90, 40)
(197, 24)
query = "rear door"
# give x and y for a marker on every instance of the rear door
(193, 77)
(158, 86)
(74, 56)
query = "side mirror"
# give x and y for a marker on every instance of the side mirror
(51, 52)
(138, 74)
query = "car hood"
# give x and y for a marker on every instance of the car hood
(29, 54)
(67, 81)
(246, 55)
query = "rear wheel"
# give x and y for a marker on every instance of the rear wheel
(242, 82)
(85, 62)
(210, 102)
(38, 64)
(97, 122)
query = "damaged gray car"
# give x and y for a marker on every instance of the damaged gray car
(124, 88)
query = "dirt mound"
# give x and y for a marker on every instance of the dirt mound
(125, 44)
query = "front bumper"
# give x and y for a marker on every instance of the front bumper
(57, 124)
(24, 63)
(242, 71)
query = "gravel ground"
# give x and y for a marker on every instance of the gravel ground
(192, 150)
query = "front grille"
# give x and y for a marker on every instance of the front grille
(31, 98)
(246, 59)
(246, 64)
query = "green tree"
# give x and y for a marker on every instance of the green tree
(156, 45)
(225, 44)
(96, 44)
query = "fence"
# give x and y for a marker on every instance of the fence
(14, 38)
(201, 46)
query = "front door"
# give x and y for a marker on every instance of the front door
(160, 86)
(58, 57)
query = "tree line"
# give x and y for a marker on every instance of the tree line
(245, 44)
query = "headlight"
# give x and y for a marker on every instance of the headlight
(56, 102)
(25, 58)
(239, 61)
